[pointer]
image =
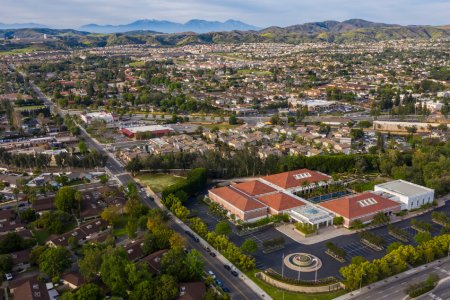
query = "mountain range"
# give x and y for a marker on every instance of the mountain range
(197, 26)
(21, 25)
(354, 30)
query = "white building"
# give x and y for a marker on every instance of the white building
(409, 194)
(89, 117)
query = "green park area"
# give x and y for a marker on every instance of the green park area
(158, 182)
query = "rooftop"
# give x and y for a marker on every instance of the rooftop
(254, 188)
(280, 201)
(296, 178)
(404, 187)
(354, 206)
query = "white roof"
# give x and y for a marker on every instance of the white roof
(147, 128)
(404, 188)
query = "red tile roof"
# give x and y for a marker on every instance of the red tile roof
(237, 198)
(254, 188)
(288, 180)
(355, 206)
(280, 201)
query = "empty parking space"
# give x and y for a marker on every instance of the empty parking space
(260, 237)
(411, 231)
(356, 248)
(389, 238)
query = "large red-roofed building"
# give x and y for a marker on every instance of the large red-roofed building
(363, 207)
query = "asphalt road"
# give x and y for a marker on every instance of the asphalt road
(395, 290)
(239, 290)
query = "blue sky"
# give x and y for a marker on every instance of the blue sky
(74, 13)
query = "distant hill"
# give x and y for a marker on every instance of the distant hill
(197, 26)
(354, 30)
(21, 26)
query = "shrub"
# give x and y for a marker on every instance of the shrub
(373, 238)
(306, 228)
(338, 220)
(336, 250)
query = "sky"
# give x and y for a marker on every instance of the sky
(262, 13)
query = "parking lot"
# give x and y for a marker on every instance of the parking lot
(357, 249)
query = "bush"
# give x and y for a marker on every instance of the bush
(336, 250)
(338, 220)
(306, 228)
(421, 225)
(357, 224)
(320, 282)
(273, 242)
(415, 290)
(373, 238)
(398, 232)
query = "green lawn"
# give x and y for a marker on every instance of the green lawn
(41, 235)
(158, 182)
(137, 64)
(277, 294)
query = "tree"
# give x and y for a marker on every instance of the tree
(380, 218)
(134, 166)
(83, 147)
(357, 224)
(54, 261)
(167, 288)
(65, 199)
(393, 246)
(232, 120)
(110, 215)
(89, 291)
(422, 237)
(104, 179)
(6, 263)
(113, 270)
(249, 246)
(91, 262)
(223, 228)
(131, 228)
(11, 242)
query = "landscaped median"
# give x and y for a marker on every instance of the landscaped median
(326, 285)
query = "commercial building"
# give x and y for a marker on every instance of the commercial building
(155, 130)
(410, 195)
(268, 195)
(363, 207)
(104, 116)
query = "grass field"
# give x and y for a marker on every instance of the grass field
(120, 226)
(277, 294)
(158, 182)
(137, 64)
(17, 51)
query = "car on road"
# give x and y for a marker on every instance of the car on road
(211, 273)
(234, 273)
(227, 267)
(213, 254)
(218, 282)
(9, 276)
(226, 290)
(207, 249)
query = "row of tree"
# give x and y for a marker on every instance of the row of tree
(394, 262)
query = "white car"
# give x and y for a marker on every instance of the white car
(211, 273)
(8, 276)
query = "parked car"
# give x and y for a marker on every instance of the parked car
(218, 282)
(234, 273)
(212, 254)
(226, 290)
(9, 276)
(211, 273)
(227, 267)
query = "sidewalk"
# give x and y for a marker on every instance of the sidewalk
(379, 284)
(323, 235)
